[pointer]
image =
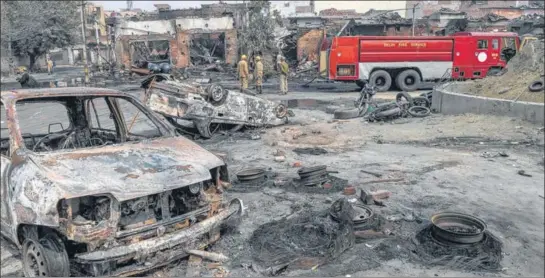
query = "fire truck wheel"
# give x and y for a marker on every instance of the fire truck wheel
(408, 80)
(536, 86)
(381, 79)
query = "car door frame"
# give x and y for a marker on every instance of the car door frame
(6, 218)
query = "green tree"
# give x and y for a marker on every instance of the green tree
(39, 26)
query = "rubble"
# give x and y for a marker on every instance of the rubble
(532, 24)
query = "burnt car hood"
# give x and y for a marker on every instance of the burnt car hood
(130, 170)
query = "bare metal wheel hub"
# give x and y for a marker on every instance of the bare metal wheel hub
(216, 92)
(281, 111)
(455, 228)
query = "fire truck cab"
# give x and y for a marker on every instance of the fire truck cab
(408, 61)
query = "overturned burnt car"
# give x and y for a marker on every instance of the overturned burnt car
(93, 183)
(206, 109)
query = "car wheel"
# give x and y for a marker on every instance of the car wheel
(281, 111)
(343, 114)
(381, 79)
(216, 94)
(46, 257)
(408, 80)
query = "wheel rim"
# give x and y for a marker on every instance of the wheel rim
(380, 81)
(35, 264)
(409, 80)
(281, 111)
(217, 94)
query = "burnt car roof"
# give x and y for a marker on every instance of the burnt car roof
(59, 92)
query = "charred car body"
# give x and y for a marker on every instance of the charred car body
(105, 187)
(209, 108)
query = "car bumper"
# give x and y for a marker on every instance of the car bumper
(164, 249)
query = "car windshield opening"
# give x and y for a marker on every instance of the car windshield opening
(49, 124)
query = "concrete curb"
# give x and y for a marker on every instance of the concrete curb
(450, 103)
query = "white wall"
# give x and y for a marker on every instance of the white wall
(287, 8)
(215, 23)
(143, 27)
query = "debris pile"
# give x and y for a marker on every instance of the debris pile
(522, 71)
(528, 24)
(311, 235)
(483, 256)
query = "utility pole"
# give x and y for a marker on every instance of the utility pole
(414, 16)
(85, 66)
(99, 62)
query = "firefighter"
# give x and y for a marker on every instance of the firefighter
(49, 65)
(258, 75)
(284, 70)
(243, 73)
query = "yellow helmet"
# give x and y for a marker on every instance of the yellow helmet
(257, 58)
(243, 57)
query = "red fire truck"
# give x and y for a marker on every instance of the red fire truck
(408, 61)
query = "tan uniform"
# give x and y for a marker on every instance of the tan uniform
(284, 70)
(49, 66)
(259, 76)
(243, 74)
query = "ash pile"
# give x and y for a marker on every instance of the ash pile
(311, 236)
(315, 239)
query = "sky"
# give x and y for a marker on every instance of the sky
(360, 6)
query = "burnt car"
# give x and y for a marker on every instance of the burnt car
(208, 108)
(94, 183)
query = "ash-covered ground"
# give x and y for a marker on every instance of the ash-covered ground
(439, 163)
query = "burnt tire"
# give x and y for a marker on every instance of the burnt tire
(216, 94)
(419, 111)
(381, 79)
(403, 98)
(45, 257)
(408, 80)
(536, 86)
(344, 114)
(421, 101)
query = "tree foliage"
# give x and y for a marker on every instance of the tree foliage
(258, 33)
(35, 27)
